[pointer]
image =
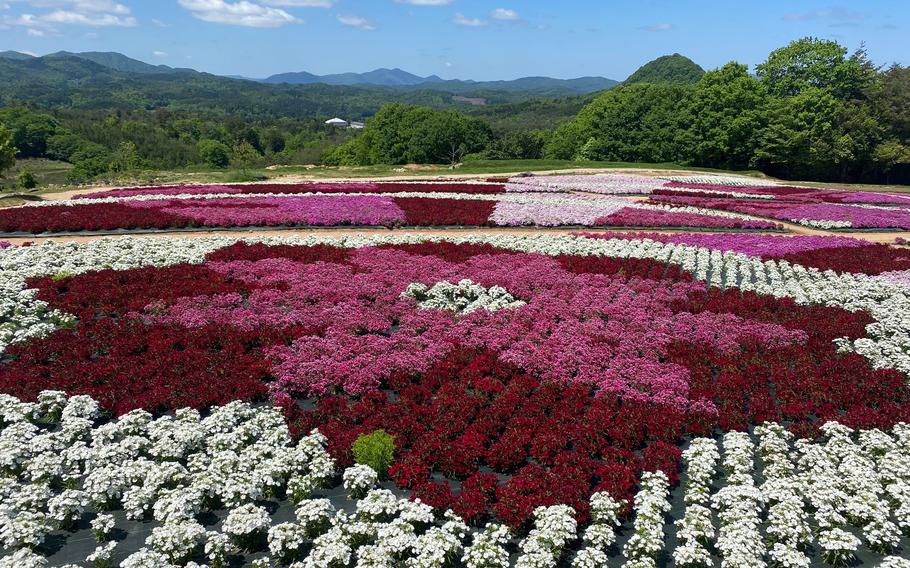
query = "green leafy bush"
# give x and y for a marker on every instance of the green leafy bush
(376, 449)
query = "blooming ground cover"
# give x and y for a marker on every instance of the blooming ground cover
(541, 387)
(404, 208)
(704, 202)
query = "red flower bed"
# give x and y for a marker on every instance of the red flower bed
(872, 259)
(552, 444)
(422, 212)
(125, 364)
(91, 217)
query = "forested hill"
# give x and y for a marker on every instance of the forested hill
(673, 69)
(69, 81)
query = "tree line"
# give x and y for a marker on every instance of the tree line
(811, 111)
(98, 143)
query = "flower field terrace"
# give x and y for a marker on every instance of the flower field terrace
(364, 209)
(808, 206)
(649, 342)
(713, 203)
(559, 395)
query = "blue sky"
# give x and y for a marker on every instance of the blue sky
(470, 39)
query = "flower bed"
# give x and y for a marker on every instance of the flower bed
(800, 193)
(303, 188)
(842, 254)
(716, 180)
(607, 184)
(820, 215)
(192, 485)
(513, 373)
(357, 209)
(640, 217)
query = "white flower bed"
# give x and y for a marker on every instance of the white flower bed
(846, 494)
(837, 497)
(823, 224)
(463, 298)
(651, 505)
(607, 184)
(734, 181)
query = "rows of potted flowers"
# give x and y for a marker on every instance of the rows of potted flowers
(232, 485)
(340, 325)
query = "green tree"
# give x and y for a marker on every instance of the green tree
(214, 153)
(400, 134)
(31, 130)
(727, 111)
(890, 154)
(26, 180)
(635, 123)
(815, 135)
(89, 162)
(516, 146)
(812, 63)
(64, 145)
(7, 150)
(273, 140)
(125, 158)
(244, 155)
(893, 98)
(376, 449)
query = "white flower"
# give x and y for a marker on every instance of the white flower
(359, 479)
(487, 550)
(285, 539)
(178, 541)
(103, 553)
(246, 520)
(145, 558)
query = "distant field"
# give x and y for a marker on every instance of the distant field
(47, 172)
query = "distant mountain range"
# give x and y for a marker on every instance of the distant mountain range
(400, 78)
(392, 78)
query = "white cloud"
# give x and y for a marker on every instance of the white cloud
(661, 27)
(425, 2)
(300, 3)
(462, 20)
(105, 6)
(160, 23)
(505, 14)
(90, 13)
(242, 13)
(832, 14)
(35, 32)
(356, 22)
(159, 53)
(95, 20)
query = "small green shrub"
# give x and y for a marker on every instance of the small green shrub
(26, 180)
(376, 449)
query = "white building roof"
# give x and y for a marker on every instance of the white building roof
(337, 122)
